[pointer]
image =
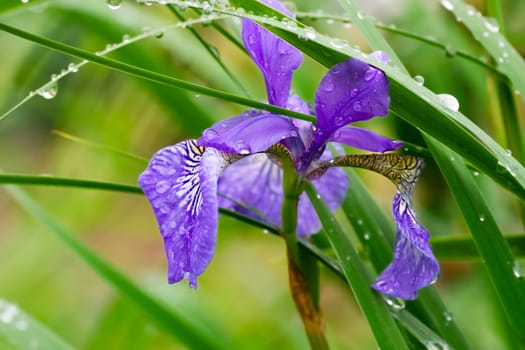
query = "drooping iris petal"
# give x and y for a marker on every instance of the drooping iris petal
(247, 134)
(275, 57)
(180, 183)
(351, 91)
(364, 139)
(414, 265)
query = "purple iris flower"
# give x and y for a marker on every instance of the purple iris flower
(230, 165)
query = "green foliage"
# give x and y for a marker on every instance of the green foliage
(169, 72)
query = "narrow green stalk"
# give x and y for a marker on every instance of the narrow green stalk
(213, 53)
(176, 325)
(149, 75)
(386, 332)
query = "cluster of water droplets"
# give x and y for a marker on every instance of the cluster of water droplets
(50, 89)
(10, 316)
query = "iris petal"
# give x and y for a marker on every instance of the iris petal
(253, 186)
(275, 57)
(351, 91)
(364, 139)
(248, 133)
(414, 265)
(180, 183)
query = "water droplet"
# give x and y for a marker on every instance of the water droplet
(491, 24)
(447, 4)
(360, 15)
(482, 218)
(420, 80)
(436, 345)
(73, 68)
(450, 51)
(114, 4)
(25, 1)
(328, 84)
(337, 43)
(370, 74)
(347, 25)
(395, 303)
(517, 271)
(485, 34)
(470, 10)
(9, 313)
(309, 33)
(347, 258)
(125, 38)
(242, 148)
(366, 236)
(360, 221)
(449, 101)
(340, 121)
(162, 186)
(448, 316)
(49, 90)
(508, 152)
(357, 106)
(354, 92)
(475, 173)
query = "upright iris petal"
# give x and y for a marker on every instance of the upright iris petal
(180, 183)
(275, 57)
(351, 91)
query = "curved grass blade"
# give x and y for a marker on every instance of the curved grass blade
(411, 35)
(412, 102)
(149, 75)
(176, 325)
(486, 31)
(211, 51)
(45, 180)
(21, 331)
(508, 280)
(386, 332)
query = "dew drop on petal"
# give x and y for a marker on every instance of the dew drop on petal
(328, 84)
(114, 4)
(370, 74)
(357, 106)
(449, 101)
(337, 43)
(162, 186)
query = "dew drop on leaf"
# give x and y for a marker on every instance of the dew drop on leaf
(114, 4)
(447, 4)
(420, 80)
(49, 90)
(449, 101)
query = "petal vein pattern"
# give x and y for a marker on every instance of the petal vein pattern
(180, 183)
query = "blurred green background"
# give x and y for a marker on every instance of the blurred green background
(244, 293)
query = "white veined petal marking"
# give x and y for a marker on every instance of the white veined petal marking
(188, 188)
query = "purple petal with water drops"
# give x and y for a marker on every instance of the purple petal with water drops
(414, 265)
(253, 186)
(351, 91)
(364, 139)
(180, 183)
(247, 134)
(275, 57)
